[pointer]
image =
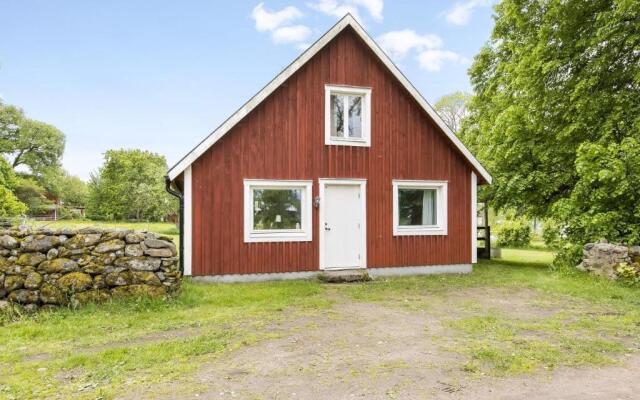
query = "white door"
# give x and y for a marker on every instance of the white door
(343, 226)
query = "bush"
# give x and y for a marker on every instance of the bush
(567, 258)
(629, 274)
(514, 233)
(552, 233)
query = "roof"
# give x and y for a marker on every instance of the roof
(346, 21)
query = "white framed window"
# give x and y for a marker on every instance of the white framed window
(277, 210)
(419, 208)
(347, 116)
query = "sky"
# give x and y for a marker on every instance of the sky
(161, 75)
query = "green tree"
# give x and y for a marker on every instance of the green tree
(452, 108)
(29, 192)
(71, 190)
(29, 143)
(10, 206)
(130, 185)
(557, 99)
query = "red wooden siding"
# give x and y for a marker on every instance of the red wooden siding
(283, 138)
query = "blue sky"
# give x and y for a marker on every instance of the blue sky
(162, 75)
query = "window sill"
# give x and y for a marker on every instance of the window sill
(278, 237)
(434, 231)
(332, 141)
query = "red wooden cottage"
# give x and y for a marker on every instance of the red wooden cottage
(337, 163)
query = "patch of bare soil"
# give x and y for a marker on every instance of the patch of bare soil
(372, 351)
(610, 383)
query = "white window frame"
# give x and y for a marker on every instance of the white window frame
(365, 140)
(441, 208)
(278, 235)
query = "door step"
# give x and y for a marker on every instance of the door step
(344, 276)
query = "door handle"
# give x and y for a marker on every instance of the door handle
(326, 227)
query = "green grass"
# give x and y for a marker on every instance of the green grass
(119, 347)
(582, 319)
(112, 348)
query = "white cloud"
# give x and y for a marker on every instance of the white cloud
(461, 12)
(374, 7)
(332, 7)
(269, 21)
(432, 60)
(398, 43)
(340, 8)
(291, 34)
(426, 48)
(279, 23)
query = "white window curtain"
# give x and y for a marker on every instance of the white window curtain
(428, 207)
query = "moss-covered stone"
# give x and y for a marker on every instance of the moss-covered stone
(82, 240)
(49, 268)
(58, 265)
(146, 277)
(118, 278)
(135, 237)
(24, 296)
(139, 263)
(105, 259)
(159, 252)
(50, 294)
(90, 296)
(83, 259)
(109, 246)
(33, 280)
(138, 291)
(39, 243)
(133, 250)
(75, 282)
(31, 259)
(99, 282)
(52, 253)
(93, 269)
(13, 282)
(8, 242)
(4, 264)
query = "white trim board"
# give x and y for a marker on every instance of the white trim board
(474, 218)
(365, 93)
(294, 235)
(373, 272)
(442, 200)
(346, 21)
(188, 216)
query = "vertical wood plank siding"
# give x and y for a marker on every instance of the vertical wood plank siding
(283, 138)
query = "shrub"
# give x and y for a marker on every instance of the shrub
(514, 233)
(567, 258)
(552, 233)
(629, 273)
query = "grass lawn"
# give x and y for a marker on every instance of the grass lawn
(511, 316)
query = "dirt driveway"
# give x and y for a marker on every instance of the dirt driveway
(402, 349)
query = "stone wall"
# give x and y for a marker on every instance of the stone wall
(605, 259)
(50, 268)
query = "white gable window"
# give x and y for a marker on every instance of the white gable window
(277, 211)
(419, 208)
(347, 116)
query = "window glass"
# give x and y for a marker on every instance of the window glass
(277, 209)
(417, 207)
(337, 115)
(355, 116)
